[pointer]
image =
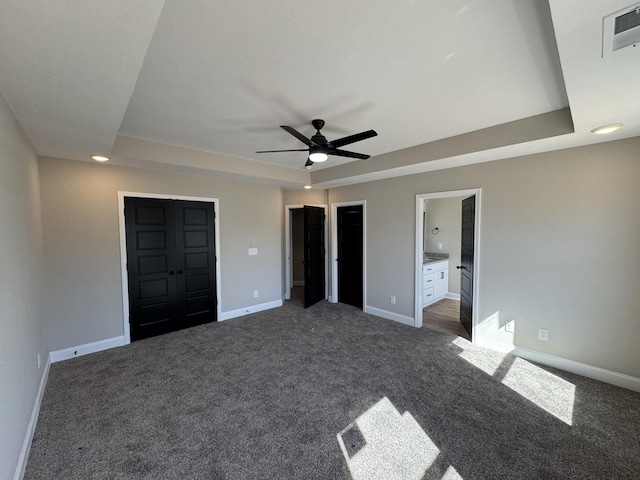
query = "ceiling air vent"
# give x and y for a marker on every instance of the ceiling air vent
(621, 29)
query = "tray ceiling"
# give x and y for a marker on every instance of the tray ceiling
(198, 87)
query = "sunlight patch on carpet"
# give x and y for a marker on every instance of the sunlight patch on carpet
(544, 389)
(388, 445)
(489, 364)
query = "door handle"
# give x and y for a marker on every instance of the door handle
(172, 272)
(462, 267)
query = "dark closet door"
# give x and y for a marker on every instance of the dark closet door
(195, 262)
(170, 265)
(466, 260)
(350, 255)
(313, 219)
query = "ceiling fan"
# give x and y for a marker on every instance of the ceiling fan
(319, 148)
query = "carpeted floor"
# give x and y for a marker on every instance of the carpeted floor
(267, 396)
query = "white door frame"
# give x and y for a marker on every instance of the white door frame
(288, 253)
(123, 249)
(334, 249)
(420, 242)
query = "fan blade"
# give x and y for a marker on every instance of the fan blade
(344, 153)
(274, 151)
(352, 139)
(298, 135)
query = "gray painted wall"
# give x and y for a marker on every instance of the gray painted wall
(83, 296)
(559, 239)
(446, 215)
(304, 197)
(20, 289)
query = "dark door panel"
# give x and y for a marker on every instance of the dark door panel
(313, 219)
(196, 262)
(170, 264)
(350, 254)
(466, 263)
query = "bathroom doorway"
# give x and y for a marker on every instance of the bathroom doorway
(439, 233)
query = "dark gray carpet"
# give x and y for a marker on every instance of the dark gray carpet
(264, 396)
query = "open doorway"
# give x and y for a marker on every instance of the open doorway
(349, 252)
(350, 261)
(298, 273)
(446, 239)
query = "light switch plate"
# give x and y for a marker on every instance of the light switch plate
(253, 251)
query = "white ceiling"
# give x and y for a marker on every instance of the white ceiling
(138, 79)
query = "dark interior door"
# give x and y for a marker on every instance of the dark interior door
(195, 262)
(313, 219)
(466, 267)
(170, 265)
(350, 255)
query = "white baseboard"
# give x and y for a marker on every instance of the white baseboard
(494, 344)
(589, 371)
(453, 296)
(31, 427)
(597, 373)
(93, 347)
(252, 309)
(396, 317)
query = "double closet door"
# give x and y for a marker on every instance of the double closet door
(171, 265)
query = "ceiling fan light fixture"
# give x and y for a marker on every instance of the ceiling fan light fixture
(319, 148)
(318, 156)
(604, 129)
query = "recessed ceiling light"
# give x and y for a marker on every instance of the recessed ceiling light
(100, 158)
(307, 187)
(604, 129)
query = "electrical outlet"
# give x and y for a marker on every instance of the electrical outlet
(439, 246)
(510, 326)
(392, 300)
(543, 334)
(39, 362)
(255, 294)
(253, 251)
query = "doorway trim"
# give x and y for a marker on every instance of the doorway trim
(420, 242)
(288, 253)
(334, 249)
(123, 249)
